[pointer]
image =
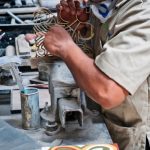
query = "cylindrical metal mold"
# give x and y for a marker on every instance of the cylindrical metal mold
(30, 108)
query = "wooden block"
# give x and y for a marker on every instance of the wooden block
(22, 46)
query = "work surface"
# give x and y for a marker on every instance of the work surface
(93, 132)
(96, 133)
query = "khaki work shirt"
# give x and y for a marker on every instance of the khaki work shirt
(122, 52)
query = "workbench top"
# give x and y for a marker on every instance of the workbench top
(95, 133)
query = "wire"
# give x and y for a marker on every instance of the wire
(45, 19)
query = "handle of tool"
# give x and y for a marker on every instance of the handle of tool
(16, 74)
(15, 17)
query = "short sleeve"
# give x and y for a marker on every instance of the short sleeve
(126, 56)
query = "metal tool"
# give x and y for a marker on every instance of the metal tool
(15, 17)
(1, 36)
(10, 63)
(20, 10)
(16, 74)
(67, 100)
(30, 108)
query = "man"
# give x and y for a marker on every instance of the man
(118, 77)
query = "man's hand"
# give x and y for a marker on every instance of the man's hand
(70, 11)
(58, 41)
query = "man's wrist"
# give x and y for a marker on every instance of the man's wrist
(67, 50)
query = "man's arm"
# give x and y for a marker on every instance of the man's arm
(95, 83)
(92, 80)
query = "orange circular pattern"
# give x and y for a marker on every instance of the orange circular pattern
(65, 148)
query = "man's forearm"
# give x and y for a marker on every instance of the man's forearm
(92, 80)
(95, 83)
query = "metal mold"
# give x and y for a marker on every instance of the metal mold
(70, 111)
(30, 108)
(52, 128)
(67, 100)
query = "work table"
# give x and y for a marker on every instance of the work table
(94, 130)
(96, 133)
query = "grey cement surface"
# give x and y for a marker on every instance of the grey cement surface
(91, 133)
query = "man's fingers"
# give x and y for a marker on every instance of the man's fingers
(71, 3)
(58, 6)
(54, 27)
(77, 5)
(64, 6)
(63, 3)
(30, 36)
